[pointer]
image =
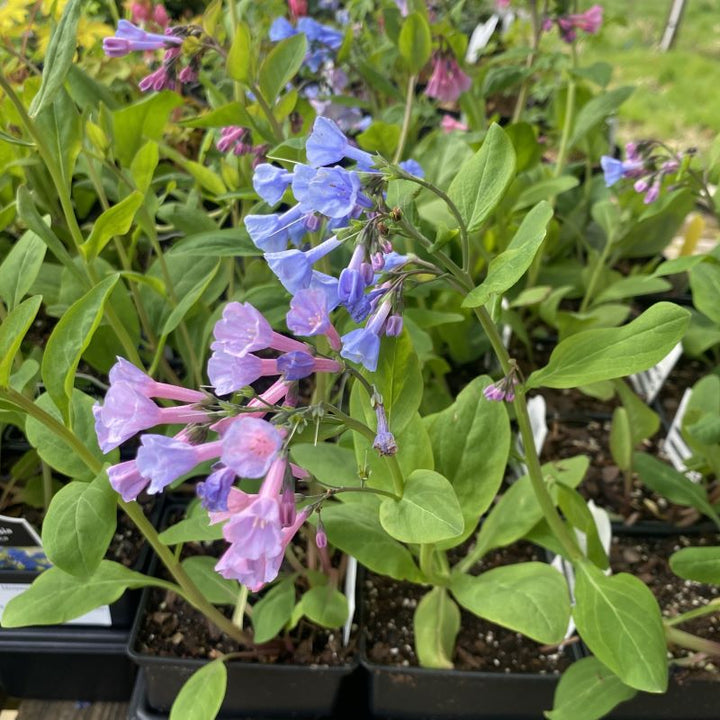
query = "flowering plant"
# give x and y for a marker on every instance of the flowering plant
(279, 317)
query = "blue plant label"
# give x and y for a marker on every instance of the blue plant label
(20, 546)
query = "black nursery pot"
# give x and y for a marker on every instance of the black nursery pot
(422, 694)
(259, 690)
(66, 663)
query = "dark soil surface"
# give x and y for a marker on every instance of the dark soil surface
(389, 606)
(172, 628)
(647, 558)
(604, 483)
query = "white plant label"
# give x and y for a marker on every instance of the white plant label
(537, 410)
(675, 446)
(350, 583)
(648, 383)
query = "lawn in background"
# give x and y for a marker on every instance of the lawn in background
(677, 96)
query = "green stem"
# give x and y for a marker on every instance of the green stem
(558, 527)
(407, 117)
(691, 642)
(191, 592)
(391, 460)
(240, 606)
(427, 564)
(464, 236)
(569, 118)
(47, 484)
(712, 607)
(135, 513)
(596, 272)
(267, 111)
(536, 32)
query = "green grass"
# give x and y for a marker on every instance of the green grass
(676, 97)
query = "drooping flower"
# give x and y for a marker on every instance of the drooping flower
(294, 267)
(363, 345)
(215, 489)
(447, 81)
(229, 373)
(270, 182)
(126, 412)
(328, 145)
(299, 365)
(271, 233)
(615, 169)
(450, 124)
(124, 371)
(309, 316)
(129, 38)
(384, 441)
(126, 480)
(503, 389)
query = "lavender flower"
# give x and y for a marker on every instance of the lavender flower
(384, 441)
(298, 365)
(447, 81)
(327, 145)
(250, 445)
(309, 315)
(126, 480)
(229, 373)
(129, 38)
(271, 233)
(270, 182)
(294, 267)
(215, 489)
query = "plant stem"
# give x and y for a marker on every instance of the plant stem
(240, 606)
(691, 642)
(712, 607)
(596, 272)
(569, 117)
(267, 111)
(407, 117)
(191, 592)
(135, 513)
(392, 461)
(536, 32)
(427, 564)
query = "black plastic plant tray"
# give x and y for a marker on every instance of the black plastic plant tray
(66, 663)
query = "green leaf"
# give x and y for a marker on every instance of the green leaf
(79, 525)
(355, 529)
(187, 302)
(281, 65)
(60, 126)
(230, 114)
(597, 110)
(545, 190)
(142, 169)
(380, 137)
(239, 63)
(607, 353)
(619, 620)
(673, 485)
(621, 442)
(273, 611)
(195, 528)
(114, 221)
(230, 242)
(399, 380)
(471, 442)
(211, 584)
(12, 333)
(510, 265)
(56, 596)
(482, 180)
(630, 287)
(705, 286)
(518, 511)
(436, 623)
(644, 422)
(58, 58)
(701, 564)
(576, 511)
(588, 691)
(52, 448)
(330, 463)
(427, 512)
(68, 342)
(31, 217)
(415, 42)
(144, 120)
(325, 606)
(202, 695)
(20, 268)
(531, 598)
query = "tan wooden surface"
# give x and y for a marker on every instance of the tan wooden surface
(54, 710)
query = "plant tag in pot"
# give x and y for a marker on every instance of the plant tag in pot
(648, 383)
(537, 409)
(675, 447)
(21, 550)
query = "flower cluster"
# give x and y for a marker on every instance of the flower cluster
(568, 25)
(447, 81)
(323, 40)
(331, 196)
(130, 38)
(647, 163)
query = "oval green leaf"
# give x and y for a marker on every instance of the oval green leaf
(202, 695)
